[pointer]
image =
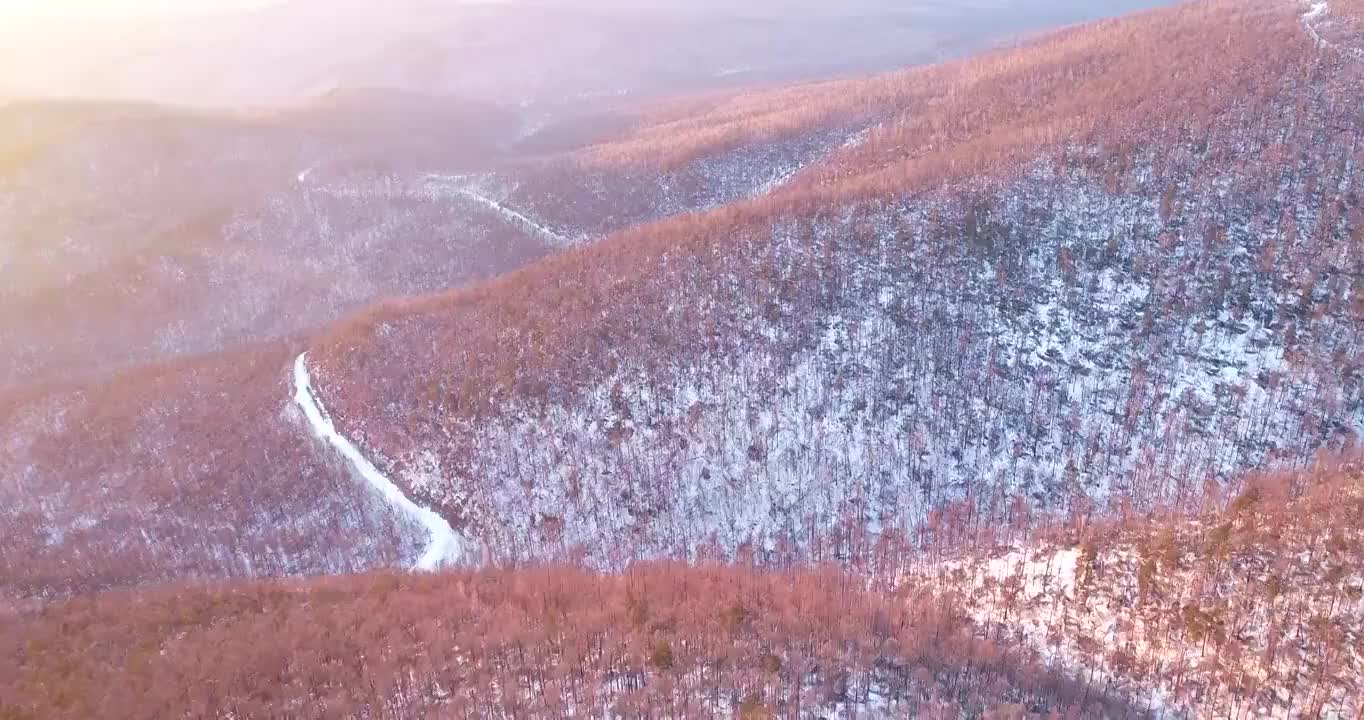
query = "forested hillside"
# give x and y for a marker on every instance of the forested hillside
(663, 640)
(197, 469)
(1034, 283)
(1247, 606)
(144, 375)
(1026, 384)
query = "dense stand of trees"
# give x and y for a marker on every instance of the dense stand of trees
(590, 201)
(1249, 604)
(1151, 70)
(969, 119)
(659, 641)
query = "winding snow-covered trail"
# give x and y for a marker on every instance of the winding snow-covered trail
(447, 547)
(517, 218)
(1309, 19)
(463, 186)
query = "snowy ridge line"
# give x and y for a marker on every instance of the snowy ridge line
(516, 218)
(446, 547)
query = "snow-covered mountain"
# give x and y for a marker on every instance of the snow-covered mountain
(1018, 385)
(996, 298)
(185, 254)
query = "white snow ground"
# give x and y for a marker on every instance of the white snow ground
(447, 547)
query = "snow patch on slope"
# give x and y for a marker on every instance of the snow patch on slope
(786, 175)
(1310, 18)
(1317, 14)
(1030, 594)
(1087, 619)
(446, 547)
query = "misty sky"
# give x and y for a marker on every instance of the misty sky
(103, 9)
(497, 51)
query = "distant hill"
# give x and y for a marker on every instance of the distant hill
(135, 234)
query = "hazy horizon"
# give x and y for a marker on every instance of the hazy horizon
(119, 9)
(274, 53)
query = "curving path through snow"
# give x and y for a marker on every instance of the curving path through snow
(517, 218)
(447, 547)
